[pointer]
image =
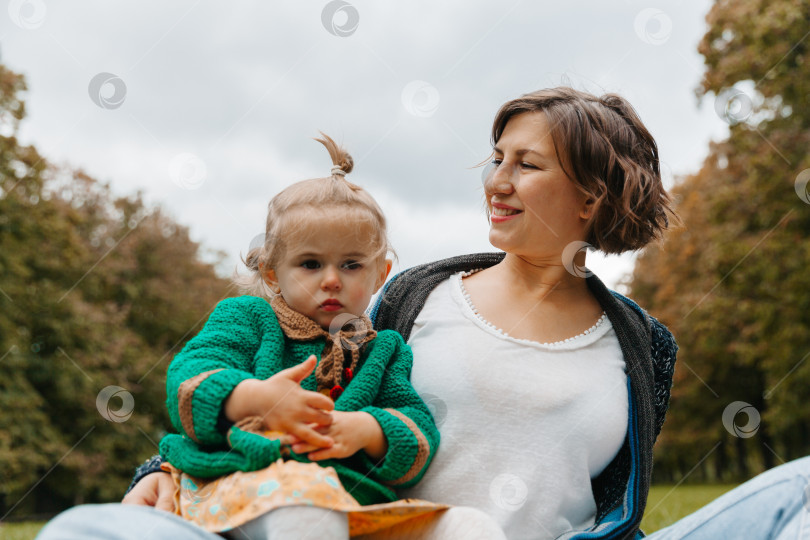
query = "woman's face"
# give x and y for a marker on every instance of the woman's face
(535, 210)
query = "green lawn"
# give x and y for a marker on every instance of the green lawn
(664, 507)
(20, 531)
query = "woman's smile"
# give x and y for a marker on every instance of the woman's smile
(501, 212)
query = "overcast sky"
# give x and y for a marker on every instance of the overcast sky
(209, 108)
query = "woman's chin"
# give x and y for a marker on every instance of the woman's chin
(534, 249)
(501, 241)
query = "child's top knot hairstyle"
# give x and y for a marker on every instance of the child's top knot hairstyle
(342, 161)
(608, 153)
(311, 199)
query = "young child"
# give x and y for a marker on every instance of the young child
(263, 439)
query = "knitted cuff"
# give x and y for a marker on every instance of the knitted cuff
(408, 449)
(223, 424)
(258, 451)
(185, 455)
(207, 403)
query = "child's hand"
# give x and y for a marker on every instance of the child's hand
(283, 405)
(155, 489)
(351, 432)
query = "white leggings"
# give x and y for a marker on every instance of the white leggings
(303, 522)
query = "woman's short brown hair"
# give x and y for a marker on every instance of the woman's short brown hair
(604, 148)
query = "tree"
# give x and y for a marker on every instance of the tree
(96, 293)
(733, 284)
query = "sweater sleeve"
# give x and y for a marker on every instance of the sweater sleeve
(406, 421)
(210, 366)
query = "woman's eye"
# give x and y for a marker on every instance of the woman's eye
(311, 264)
(527, 165)
(497, 162)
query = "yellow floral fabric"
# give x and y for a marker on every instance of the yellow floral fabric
(221, 504)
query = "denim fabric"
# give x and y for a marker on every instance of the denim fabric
(772, 506)
(121, 522)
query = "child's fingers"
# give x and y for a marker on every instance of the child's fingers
(317, 417)
(288, 439)
(317, 400)
(325, 453)
(303, 448)
(291, 439)
(310, 436)
(301, 371)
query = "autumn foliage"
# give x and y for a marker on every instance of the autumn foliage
(95, 291)
(733, 283)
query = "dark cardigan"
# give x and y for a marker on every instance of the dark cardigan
(649, 352)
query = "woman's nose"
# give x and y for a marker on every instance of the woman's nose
(331, 280)
(501, 179)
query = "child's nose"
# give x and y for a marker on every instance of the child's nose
(331, 280)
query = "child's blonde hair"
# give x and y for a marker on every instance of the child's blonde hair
(296, 203)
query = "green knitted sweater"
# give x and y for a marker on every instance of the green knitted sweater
(241, 340)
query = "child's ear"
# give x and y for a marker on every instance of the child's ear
(271, 280)
(384, 271)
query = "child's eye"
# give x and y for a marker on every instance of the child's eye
(352, 265)
(311, 264)
(497, 162)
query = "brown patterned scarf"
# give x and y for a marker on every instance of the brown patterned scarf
(349, 337)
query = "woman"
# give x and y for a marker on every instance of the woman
(549, 389)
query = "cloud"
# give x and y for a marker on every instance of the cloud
(245, 87)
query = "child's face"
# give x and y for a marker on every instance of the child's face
(329, 270)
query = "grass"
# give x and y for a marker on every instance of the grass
(26, 530)
(665, 506)
(668, 504)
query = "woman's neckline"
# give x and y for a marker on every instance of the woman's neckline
(603, 323)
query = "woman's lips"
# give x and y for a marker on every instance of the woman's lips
(331, 305)
(502, 212)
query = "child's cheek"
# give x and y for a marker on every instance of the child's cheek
(358, 297)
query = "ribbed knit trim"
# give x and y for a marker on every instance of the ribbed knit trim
(209, 399)
(251, 424)
(185, 396)
(403, 449)
(633, 333)
(422, 451)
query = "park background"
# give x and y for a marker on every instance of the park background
(140, 143)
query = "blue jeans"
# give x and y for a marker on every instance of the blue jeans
(775, 506)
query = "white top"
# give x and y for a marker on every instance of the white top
(524, 425)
